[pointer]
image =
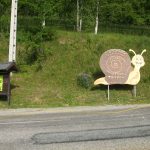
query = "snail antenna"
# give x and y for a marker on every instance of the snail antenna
(143, 51)
(132, 51)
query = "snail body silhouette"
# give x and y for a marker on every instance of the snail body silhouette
(116, 65)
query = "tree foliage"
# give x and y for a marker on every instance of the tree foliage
(126, 12)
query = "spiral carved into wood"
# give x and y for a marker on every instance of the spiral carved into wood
(116, 65)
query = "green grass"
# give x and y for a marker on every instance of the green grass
(69, 55)
(3, 48)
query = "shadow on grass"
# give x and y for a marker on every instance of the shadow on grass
(3, 98)
(3, 95)
(14, 86)
(98, 74)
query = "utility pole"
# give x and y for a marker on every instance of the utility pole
(13, 31)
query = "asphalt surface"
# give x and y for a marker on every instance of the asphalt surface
(81, 128)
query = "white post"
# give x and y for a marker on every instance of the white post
(134, 90)
(108, 94)
(13, 31)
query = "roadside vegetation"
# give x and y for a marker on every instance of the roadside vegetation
(60, 70)
(59, 44)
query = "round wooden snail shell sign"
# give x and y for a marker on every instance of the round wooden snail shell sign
(116, 65)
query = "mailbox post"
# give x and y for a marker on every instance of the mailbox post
(5, 70)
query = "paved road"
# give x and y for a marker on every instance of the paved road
(122, 128)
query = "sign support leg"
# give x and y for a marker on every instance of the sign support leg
(108, 93)
(134, 90)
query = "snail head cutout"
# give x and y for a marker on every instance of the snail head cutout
(138, 60)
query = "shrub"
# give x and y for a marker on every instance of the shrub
(48, 34)
(32, 53)
(44, 34)
(85, 80)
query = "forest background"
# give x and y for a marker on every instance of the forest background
(120, 14)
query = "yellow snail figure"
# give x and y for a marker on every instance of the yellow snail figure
(121, 71)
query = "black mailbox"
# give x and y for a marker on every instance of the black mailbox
(5, 70)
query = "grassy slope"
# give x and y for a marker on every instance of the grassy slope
(69, 55)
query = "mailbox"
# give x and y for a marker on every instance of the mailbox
(5, 70)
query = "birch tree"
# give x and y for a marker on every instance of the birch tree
(97, 18)
(78, 16)
(45, 10)
(80, 25)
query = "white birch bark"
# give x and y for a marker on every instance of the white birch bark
(96, 26)
(80, 25)
(78, 16)
(43, 23)
(97, 19)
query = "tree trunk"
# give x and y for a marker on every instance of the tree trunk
(43, 23)
(78, 16)
(80, 25)
(96, 26)
(97, 19)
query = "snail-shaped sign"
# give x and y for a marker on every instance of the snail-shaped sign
(116, 65)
